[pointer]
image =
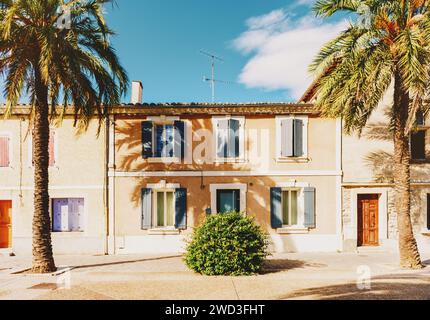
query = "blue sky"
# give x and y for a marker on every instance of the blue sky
(266, 45)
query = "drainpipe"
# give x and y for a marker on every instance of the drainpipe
(106, 184)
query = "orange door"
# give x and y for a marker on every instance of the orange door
(368, 224)
(5, 224)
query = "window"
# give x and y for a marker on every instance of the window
(292, 137)
(229, 137)
(293, 206)
(164, 206)
(164, 141)
(418, 145)
(4, 151)
(228, 200)
(420, 120)
(290, 207)
(227, 197)
(68, 215)
(164, 209)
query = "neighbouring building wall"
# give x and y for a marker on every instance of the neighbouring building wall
(367, 162)
(76, 173)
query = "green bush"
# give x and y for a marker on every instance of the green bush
(227, 244)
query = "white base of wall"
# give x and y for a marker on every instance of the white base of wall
(63, 245)
(304, 243)
(153, 244)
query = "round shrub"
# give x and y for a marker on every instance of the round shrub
(227, 244)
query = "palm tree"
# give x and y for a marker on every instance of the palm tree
(385, 45)
(52, 51)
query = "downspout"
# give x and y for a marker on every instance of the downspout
(106, 185)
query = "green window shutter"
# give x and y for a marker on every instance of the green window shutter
(181, 208)
(298, 137)
(147, 128)
(179, 147)
(310, 218)
(146, 195)
(233, 138)
(276, 207)
(287, 139)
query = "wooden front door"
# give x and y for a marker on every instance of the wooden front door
(5, 224)
(368, 224)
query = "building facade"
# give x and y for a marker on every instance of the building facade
(369, 219)
(155, 171)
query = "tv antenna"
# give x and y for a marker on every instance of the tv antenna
(212, 80)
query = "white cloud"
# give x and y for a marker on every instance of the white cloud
(282, 49)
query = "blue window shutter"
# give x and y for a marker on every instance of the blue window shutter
(181, 208)
(276, 207)
(146, 195)
(147, 139)
(310, 219)
(233, 138)
(179, 147)
(222, 132)
(287, 139)
(298, 137)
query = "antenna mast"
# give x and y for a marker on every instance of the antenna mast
(212, 80)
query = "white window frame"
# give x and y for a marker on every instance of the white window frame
(161, 186)
(10, 137)
(242, 123)
(295, 186)
(279, 136)
(164, 120)
(85, 213)
(155, 208)
(243, 187)
(30, 149)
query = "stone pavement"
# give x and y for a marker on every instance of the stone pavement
(286, 276)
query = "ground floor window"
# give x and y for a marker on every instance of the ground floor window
(68, 215)
(290, 207)
(418, 145)
(228, 200)
(164, 209)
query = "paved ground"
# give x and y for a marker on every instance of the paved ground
(286, 276)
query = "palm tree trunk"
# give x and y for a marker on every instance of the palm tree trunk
(43, 260)
(409, 254)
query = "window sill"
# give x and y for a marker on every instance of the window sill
(230, 160)
(425, 232)
(293, 160)
(293, 230)
(163, 232)
(164, 160)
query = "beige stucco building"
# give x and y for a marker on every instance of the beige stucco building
(155, 171)
(369, 218)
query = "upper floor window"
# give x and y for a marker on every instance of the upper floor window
(292, 135)
(418, 145)
(4, 151)
(229, 136)
(163, 139)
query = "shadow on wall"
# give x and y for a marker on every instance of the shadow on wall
(129, 159)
